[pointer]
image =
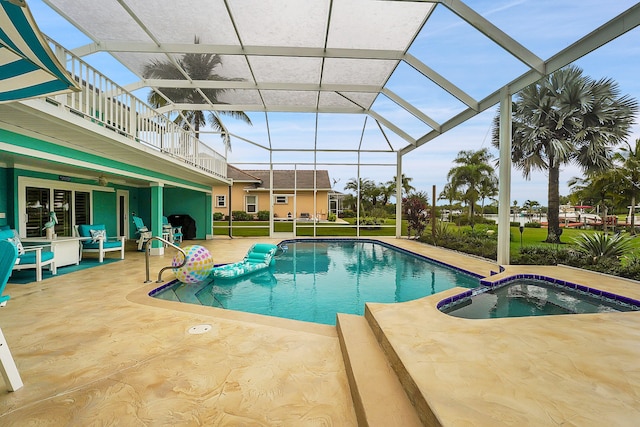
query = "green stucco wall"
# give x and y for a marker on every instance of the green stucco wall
(4, 201)
(180, 201)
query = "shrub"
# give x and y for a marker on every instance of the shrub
(348, 213)
(414, 209)
(263, 215)
(600, 246)
(477, 219)
(440, 230)
(218, 216)
(331, 217)
(378, 213)
(241, 216)
(472, 242)
(532, 225)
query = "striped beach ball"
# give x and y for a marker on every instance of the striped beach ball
(198, 266)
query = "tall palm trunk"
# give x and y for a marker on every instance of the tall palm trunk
(553, 215)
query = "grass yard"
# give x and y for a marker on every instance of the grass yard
(304, 229)
(530, 236)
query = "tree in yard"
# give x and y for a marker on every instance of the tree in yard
(406, 184)
(567, 118)
(362, 188)
(629, 158)
(530, 206)
(414, 208)
(472, 172)
(450, 193)
(600, 186)
(386, 192)
(487, 189)
(197, 66)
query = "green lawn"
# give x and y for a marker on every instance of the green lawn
(530, 236)
(537, 236)
(325, 229)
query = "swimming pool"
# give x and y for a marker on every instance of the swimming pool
(315, 279)
(534, 297)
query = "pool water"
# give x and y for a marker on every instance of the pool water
(314, 280)
(530, 297)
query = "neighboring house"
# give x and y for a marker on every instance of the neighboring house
(293, 193)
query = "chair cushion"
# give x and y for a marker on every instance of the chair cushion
(105, 245)
(85, 229)
(97, 235)
(30, 257)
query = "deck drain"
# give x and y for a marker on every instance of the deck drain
(199, 329)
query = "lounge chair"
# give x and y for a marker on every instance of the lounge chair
(142, 231)
(30, 257)
(96, 240)
(259, 257)
(8, 258)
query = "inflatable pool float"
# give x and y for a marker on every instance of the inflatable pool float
(259, 257)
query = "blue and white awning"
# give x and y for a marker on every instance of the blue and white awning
(28, 67)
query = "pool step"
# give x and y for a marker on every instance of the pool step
(377, 394)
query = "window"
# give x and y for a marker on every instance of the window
(67, 205)
(282, 200)
(251, 204)
(83, 207)
(221, 201)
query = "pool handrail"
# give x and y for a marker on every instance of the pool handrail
(147, 254)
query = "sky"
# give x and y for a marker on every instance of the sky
(449, 46)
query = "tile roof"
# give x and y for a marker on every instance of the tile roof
(283, 179)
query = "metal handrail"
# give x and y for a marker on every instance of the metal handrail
(147, 254)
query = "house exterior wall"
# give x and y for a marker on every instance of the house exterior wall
(303, 204)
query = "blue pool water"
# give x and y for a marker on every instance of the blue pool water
(530, 297)
(314, 280)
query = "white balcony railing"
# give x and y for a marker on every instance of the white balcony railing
(107, 104)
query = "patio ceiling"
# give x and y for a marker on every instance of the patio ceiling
(330, 58)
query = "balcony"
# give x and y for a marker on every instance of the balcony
(117, 118)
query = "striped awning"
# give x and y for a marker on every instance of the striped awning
(28, 67)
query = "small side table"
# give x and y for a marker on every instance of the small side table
(66, 249)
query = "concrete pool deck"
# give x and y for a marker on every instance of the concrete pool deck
(92, 349)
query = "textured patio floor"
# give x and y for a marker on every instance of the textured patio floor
(92, 349)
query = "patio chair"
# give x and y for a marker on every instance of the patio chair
(8, 258)
(175, 233)
(142, 231)
(95, 240)
(30, 257)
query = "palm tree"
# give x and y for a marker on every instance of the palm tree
(197, 66)
(406, 184)
(566, 118)
(450, 193)
(361, 187)
(629, 157)
(600, 186)
(386, 192)
(473, 168)
(530, 206)
(487, 189)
